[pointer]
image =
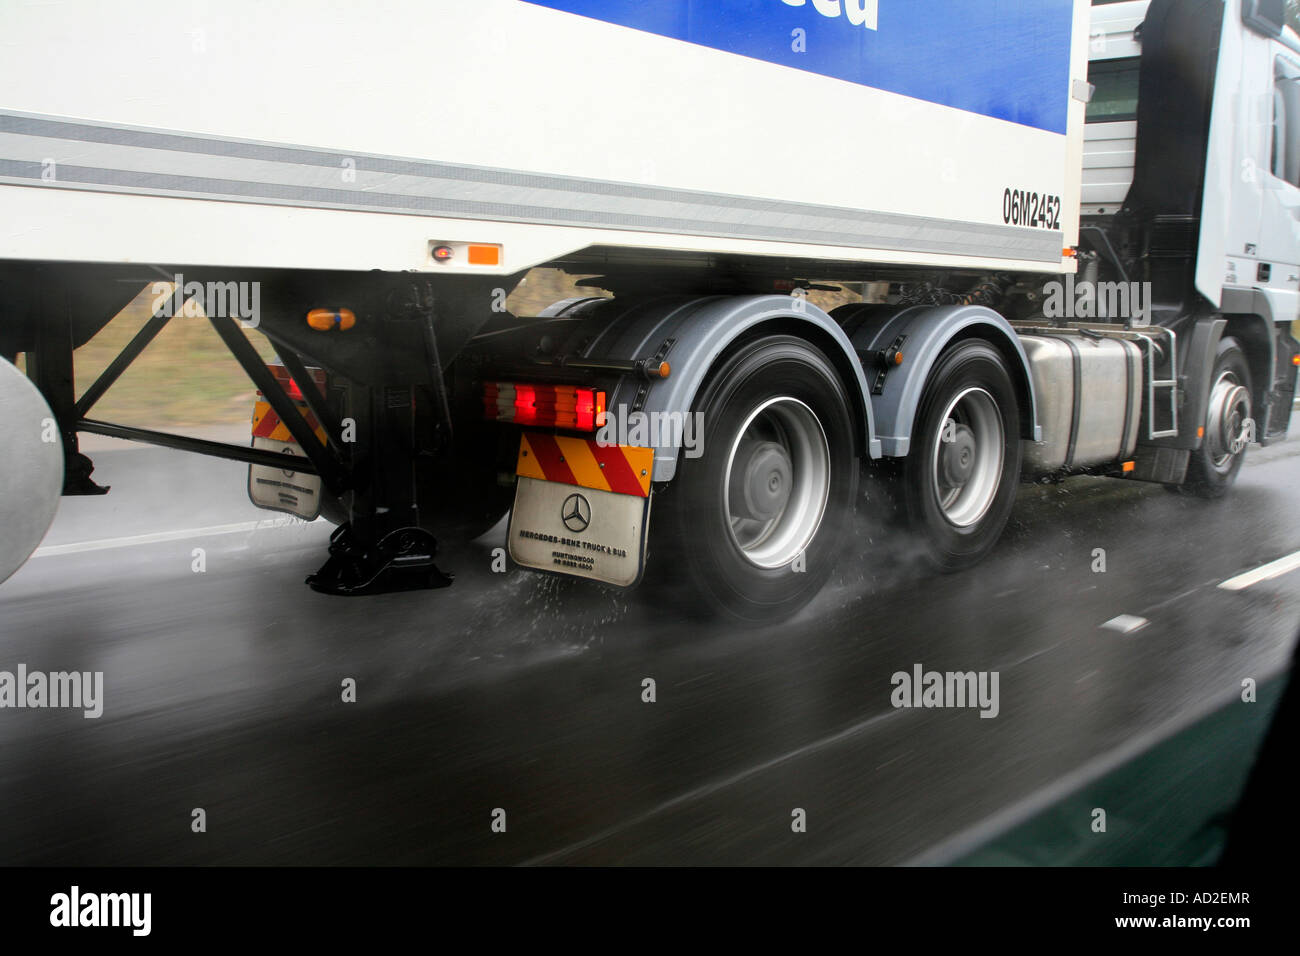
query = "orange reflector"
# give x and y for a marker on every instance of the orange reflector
(622, 469)
(322, 320)
(484, 255)
(1128, 466)
(267, 424)
(550, 406)
(1200, 432)
(1069, 253)
(664, 370)
(898, 358)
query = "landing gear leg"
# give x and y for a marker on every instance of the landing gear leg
(401, 560)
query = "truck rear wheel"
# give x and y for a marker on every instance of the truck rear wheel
(1213, 467)
(757, 522)
(958, 484)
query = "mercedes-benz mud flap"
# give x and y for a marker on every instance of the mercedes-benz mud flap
(581, 509)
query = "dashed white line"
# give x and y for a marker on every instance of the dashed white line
(135, 540)
(1126, 623)
(1273, 569)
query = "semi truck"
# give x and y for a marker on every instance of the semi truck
(1082, 221)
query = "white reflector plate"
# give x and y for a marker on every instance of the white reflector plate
(294, 492)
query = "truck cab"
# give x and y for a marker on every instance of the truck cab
(1191, 173)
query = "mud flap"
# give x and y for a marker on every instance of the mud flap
(294, 492)
(583, 532)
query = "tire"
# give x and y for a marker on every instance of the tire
(1213, 467)
(958, 484)
(772, 491)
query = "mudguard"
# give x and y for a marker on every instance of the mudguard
(691, 333)
(1251, 320)
(925, 331)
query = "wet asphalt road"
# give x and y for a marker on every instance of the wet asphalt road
(523, 692)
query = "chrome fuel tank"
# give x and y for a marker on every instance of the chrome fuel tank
(1089, 394)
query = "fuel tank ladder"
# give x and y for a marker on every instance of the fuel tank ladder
(1162, 359)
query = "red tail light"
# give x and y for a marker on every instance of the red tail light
(290, 386)
(546, 406)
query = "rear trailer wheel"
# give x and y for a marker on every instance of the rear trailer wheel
(757, 522)
(1213, 467)
(958, 483)
(32, 467)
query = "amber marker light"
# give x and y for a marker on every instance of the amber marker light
(482, 254)
(325, 320)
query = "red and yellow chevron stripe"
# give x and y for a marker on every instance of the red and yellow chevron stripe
(624, 469)
(267, 424)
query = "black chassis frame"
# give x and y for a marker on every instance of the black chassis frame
(389, 373)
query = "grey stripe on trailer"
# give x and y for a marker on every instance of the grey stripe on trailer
(151, 162)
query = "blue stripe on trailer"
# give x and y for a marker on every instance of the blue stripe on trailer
(1008, 59)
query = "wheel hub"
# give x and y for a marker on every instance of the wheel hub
(1225, 426)
(765, 473)
(967, 458)
(778, 482)
(958, 456)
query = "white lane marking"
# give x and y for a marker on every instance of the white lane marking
(131, 541)
(1126, 623)
(1273, 569)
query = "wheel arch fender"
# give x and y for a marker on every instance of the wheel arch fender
(925, 333)
(1255, 333)
(1251, 319)
(693, 334)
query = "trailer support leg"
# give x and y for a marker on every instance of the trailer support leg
(383, 548)
(402, 429)
(51, 370)
(401, 560)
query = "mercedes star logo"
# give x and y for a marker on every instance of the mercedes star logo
(576, 513)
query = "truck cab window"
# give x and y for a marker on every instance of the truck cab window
(1284, 152)
(1116, 95)
(1277, 157)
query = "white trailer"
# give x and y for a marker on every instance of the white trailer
(365, 185)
